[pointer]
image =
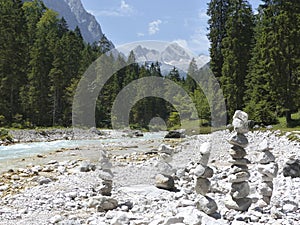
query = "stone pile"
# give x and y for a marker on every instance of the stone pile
(202, 184)
(269, 169)
(292, 168)
(239, 173)
(105, 174)
(164, 180)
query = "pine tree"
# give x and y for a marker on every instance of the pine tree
(217, 11)
(274, 75)
(41, 63)
(190, 83)
(236, 48)
(13, 57)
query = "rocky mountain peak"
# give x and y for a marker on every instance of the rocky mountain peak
(75, 15)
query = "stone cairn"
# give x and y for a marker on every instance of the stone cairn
(105, 174)
(269, 169)
(164, 180)
(239, 174)
(202, 184)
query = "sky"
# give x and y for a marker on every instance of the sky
(183, 21)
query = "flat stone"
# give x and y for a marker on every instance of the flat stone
(266, 157)
(236, 169)
(173, 220)
(163, 148)
(44, 180)
(165, 182)
(240, 162)
(269, 170)
(265, 178)
(202, 186)
(207, 205)
(266, 189)
(237, 152)
(240, 190)
(239, 140)
(239, 177)
(241, 204)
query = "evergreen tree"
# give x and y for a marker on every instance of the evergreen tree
(217, 11)
(174, 75)
(41, 63)
(190, 83)
(236, 48)
(13, 56)
(273, 81)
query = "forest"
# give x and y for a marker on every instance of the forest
(255, 57)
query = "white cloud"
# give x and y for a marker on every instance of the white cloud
(140, 34)
(123, 10)
(153, 26)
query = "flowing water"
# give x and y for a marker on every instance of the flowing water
(21, 150)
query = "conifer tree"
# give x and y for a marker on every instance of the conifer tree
(236, 48)
(13, 56)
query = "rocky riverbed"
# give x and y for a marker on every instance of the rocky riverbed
(68, 186)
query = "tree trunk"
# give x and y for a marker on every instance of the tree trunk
(288, 117)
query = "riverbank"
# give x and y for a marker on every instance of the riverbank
(54, 189)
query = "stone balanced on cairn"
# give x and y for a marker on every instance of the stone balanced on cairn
(239, 174)
(269, 169)
(202, 184)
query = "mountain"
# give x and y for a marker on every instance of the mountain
(169, 55)
(75, 15)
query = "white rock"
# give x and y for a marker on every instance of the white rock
(240, 190)
(164, 181)
(205, 148)
(120, 219)
(56, 219)
(269, 170)
(191, 215)
(239, 114)
(163, 148)
(266, 157)
(207, 205)
(173, 220)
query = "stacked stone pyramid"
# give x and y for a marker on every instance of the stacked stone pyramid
(239, 174)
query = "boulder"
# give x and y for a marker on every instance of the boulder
(164, 181)
(292, 168)
(207, 205)
(239, 177)
(241, 204)
(237, 152)
(266, 157)
(202, 186)
(239, 140)
(175, 134)
(240, 190)
(269, 170)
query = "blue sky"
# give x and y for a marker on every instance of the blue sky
(125, 21)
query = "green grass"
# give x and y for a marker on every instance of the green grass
(282, 125)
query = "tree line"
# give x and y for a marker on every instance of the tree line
(256, 57)
(42, 61)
